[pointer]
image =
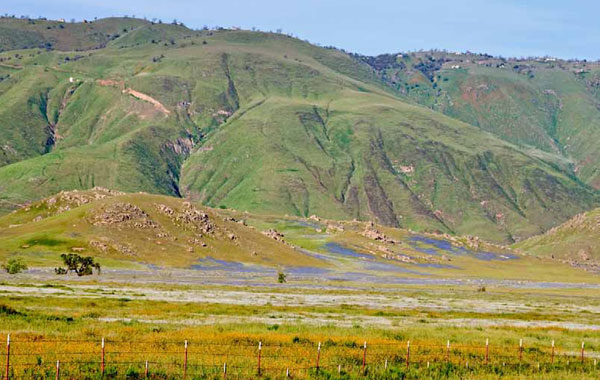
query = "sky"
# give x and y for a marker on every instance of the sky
(510, 28)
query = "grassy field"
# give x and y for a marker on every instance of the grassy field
(290, 322)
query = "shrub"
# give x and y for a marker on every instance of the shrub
(281, 278)
(83, 266)
(14, 266)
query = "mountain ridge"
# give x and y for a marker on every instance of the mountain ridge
(265, 123)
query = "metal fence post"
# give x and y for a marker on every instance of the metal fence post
(57, 369)
(448, 351)
(552, 354)
(318, 356)
(582, 351)
(185, 359)
(259, 353)
(407, 353)
(487, 351)
(364, 363)
(7, 356)
(102, 359)
(146, 370)
(520, 350)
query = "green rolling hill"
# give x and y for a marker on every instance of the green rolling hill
(549, 104)
(270, 124)
(576, 241)
(147, 232)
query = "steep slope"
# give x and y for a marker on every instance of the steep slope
(367, 156)
(267, 123)
(546, 103)
(576, 241)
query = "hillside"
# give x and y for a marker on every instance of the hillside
(547, 103)
(576, 241)
(143, 232)
(137, 228)
(264, 123)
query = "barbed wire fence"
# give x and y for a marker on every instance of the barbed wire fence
(38, 358)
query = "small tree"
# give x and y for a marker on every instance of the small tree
(281, 278)
(83, 266)
(14, 266)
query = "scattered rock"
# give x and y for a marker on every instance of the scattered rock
(98, 245)
(273, 234)
(584, 255)
(124, 249)
(67, 200)
(473, 242)
(372, 233)
(196, 241)
(238, 221)
(164, 209)
(331, 228)
(124, 214)
(189, 218)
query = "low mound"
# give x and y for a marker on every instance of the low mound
(143, 228)
(576, 241)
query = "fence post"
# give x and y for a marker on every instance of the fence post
(385, 365)
(407, 353)
(57, 369)
(259, 351)
(448, 351)
(364, 365)
(552, 355)
(185, 359)
(582, 351)
(102, 360)
(7, 356)
(520, 350)
(146, 370)
(318, 356)
(287, 372)
(224, 370)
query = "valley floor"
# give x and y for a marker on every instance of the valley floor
(147, 315)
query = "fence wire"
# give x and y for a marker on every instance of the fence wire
(63, 358)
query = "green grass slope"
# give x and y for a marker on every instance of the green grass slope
(17, 33)
(265, 123)
(144, 231)
(136, 229)
(549, 104)
(577, 240)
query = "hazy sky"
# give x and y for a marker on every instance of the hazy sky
(562, 28)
